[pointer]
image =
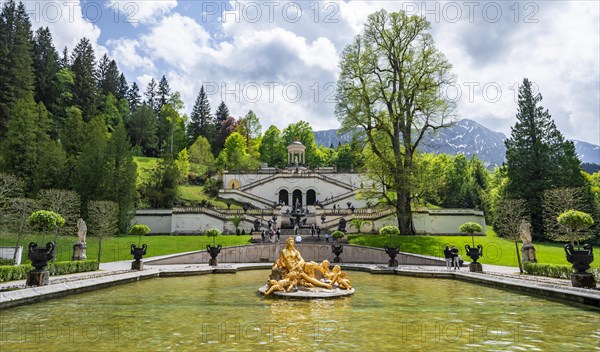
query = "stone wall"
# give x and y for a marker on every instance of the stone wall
(260, 253)
(433, 222)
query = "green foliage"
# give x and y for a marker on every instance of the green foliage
(271, 149)
(4, 262)
(337, 234)
(16, 63)
(200, 154)
(358, 223)
(236, 221)
(183, 164)
(212, 233)
(389, 231)
(234, 155)
(44, 220)
(10, 273)
(548, 270)
(538, 157)
(84, 73)
(19, 272)
(509, 213)
(212, 186)
(162, 188)
(142, 129)
(139, 230)
(575, 222)
(64, 202)
(470, 228)
(393, 49)
(200, 120)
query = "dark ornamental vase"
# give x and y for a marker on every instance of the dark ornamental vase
(581, 260)
(213, 251)
(138, 253)
(39, 260)
(337, 249)
(392, 252)
(475, 253)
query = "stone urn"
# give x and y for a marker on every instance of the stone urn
(581, 260)
(392, 252)
(39, 260)
(474, 253)
(138, 253)
(213, 251)
(337, 249)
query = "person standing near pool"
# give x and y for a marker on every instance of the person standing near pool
(454, 252)
(448, 257)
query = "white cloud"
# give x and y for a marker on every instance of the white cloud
(124, 51)
(177, 39)
(148, 11)
(559, 53)
(66, 22)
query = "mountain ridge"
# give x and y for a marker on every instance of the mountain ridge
(465, 137)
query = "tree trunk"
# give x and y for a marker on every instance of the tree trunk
(404, 213)
(99, 251)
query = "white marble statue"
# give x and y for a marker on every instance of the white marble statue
(525, 231)
(81, 230)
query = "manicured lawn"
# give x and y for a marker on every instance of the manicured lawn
(496, 250)
(118, 248)
(196, 194)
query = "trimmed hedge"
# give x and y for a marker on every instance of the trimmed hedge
(6, 262)
(10, 273)
(549, 270)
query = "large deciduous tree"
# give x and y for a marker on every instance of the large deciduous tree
(391, 85)
(538, 157)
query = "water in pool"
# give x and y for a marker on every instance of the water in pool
(225, 313)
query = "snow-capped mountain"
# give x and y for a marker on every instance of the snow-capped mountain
(469, 138)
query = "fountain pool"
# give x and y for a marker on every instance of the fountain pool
(225, 313)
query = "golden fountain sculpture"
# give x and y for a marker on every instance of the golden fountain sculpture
(290, 273)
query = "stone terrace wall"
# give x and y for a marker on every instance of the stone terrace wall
(316, 252)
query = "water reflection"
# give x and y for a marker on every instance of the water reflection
(225, 312)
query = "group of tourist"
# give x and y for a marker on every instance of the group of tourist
(453, 259)
(272, 233)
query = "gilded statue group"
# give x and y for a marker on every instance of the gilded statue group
(290, 271)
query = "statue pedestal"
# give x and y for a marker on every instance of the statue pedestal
(393, 263)
(212, 262)
(475, 267)
(38, 278)
(256, 237)
(585, 280)
(528, 253)
(137, 265)
(79, 251)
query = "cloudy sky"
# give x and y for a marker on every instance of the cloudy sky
(280, 58)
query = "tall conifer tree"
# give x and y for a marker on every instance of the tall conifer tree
(200, 124)
(537, 157)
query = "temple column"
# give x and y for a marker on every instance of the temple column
(290, 199)
(304, 199)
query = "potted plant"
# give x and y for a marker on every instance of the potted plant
(42, 221)
(337, 235)
(575, 222)
(138, 251)
(389, 231)
(213, 250)
(473, 252)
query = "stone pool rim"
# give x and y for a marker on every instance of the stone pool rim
(564, 294)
